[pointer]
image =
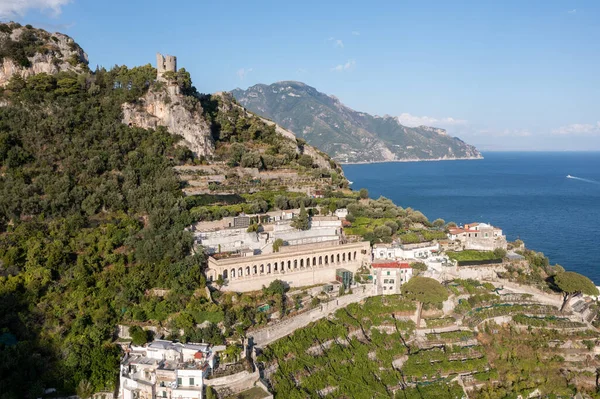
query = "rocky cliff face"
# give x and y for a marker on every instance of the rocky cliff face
(182, 115)
(345, 134)
(28, 51)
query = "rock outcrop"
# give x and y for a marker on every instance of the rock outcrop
(164, 105)
(28, 51)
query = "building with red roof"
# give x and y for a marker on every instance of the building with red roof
(388, 276)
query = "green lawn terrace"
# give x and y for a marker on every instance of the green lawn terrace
(483, 341)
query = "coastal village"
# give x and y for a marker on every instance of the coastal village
(314, 259)
(209, 253)
(327, 270)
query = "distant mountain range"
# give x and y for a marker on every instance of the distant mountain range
(347, 135)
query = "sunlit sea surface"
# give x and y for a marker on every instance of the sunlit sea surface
(528, 195)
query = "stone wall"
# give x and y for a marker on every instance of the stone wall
(236, 383)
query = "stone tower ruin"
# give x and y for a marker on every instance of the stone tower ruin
(165, 63)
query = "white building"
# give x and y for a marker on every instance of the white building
(341, 213)
(236, 239)
(165, 369)
(405, 251)
(478, 236)
(388, 277)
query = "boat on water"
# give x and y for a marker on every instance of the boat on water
(569, 177)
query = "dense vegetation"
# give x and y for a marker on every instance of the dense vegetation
(91, 216)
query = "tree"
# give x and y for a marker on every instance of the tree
(251, 160)
(232, 353)
(277, 287)
(572, 284)
(306, 161)
(210, 392)
(419, 267)
(499, 253)
(424, 290)
(138, 335)
(85, 389)
(277, 244)
(220, 281)
(302, 222)
(363, 193)
(439, 223)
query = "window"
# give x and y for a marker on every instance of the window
(164, 394)
(191, 382)
(392, 281)
(385, 281)
(179, 382)
(388, 273)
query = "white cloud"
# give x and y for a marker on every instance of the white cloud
(578, 129)
(17, 8)
(336, 42)
(344, 67)
(573, 11)
(407, 119)
(242, 72)
(355, 33)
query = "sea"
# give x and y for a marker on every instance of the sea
(550, 200)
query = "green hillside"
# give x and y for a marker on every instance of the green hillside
(345, 134)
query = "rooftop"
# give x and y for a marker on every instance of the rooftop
(390, 265)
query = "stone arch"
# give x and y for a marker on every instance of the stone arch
(349, 256)
(275, 266)
(240, 274)
(314, 260)
(254, 271)
(268, 268)
(343, 257)
(247, 270)
(307, 262)
(320, 260)
(301, 262)
(326, 260)
(225, 274)
(232, 273)
(332, 259)
(354, 255)
(262, 268)
(295, 263)
(289, 265)
(338, 258)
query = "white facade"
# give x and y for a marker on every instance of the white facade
(401, 252)
(341, 213)
(165, 369)
(388, 277)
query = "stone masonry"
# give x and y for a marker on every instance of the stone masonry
(165, 63)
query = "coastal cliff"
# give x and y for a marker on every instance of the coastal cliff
(347, 135)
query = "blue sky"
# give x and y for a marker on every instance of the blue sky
(503, 75)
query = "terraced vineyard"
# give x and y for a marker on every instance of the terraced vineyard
(373, 350)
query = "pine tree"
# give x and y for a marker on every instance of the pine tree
(302, 222)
